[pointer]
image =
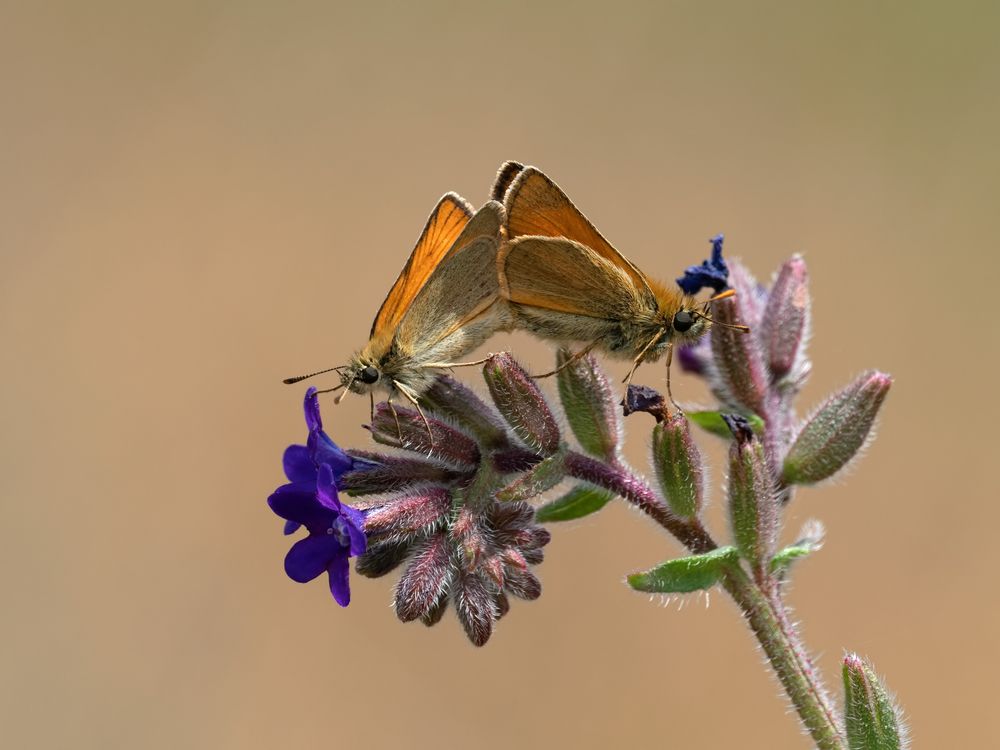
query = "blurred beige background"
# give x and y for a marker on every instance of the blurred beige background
(197, 200)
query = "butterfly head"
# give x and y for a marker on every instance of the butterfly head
(362, 375)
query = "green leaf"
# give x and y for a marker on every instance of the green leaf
(543, 476)
(578, 502)
(711, 421)
(787, 556)
(870, 715)
(810, 541)
(686, 574)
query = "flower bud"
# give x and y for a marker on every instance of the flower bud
(451, 399)
(589, 404)
(404, 428)
(408, 515)
(784, 327)
(476, 606)
(383, 557)
(837, 431)
(870, 715)
(426, 577)
(521, 403)
(753, 510)
(739, 373)
(679, 466)
(383, 473)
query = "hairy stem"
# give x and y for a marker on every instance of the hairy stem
(624, 483)
(768, 618)
(764, 611)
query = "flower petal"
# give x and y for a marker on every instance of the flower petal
(291, 527)
(293, 504)
(338, 570)
(712, 273)
(298, 465)
(311, 408)
(355, 523)
(326, 490)
(324, 451)
(311, 556)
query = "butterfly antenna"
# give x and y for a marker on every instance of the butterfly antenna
(300, 378)
(735, 326)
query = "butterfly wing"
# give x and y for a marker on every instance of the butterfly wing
(569, 277)
(508, 171)
(448, 317)
(444, 226)
(537, 206)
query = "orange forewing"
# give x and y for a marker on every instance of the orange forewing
(537, 206)
(444, 225)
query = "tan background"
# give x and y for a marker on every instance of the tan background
(199, 199)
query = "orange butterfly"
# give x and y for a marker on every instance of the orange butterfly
(566, 283)
(445, 303)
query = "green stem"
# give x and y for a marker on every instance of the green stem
(764, 612)
(769, 621)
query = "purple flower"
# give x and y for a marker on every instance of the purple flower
(310, 499)
(302, 462)
(334, 533)
(712, 273)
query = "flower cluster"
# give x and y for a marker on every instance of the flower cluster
(447, 501)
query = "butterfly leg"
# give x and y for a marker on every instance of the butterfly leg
(412, 398)
(574, 358)
(639, 357)
(392, 408)
(449, 365)
(670, 358)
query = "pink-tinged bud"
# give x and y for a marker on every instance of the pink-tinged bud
(523, 584)
(521, 403)
(837, 431)
(753, 505)
(503, 605)
(436, 612)
(408, 515)
(451, 399)
(589, 403)
(784, 327)
(871, 717)
(476, 606)
(405, 428)
(426, 577)
(739, 374)
(383, 557)
(391, 474)
(679, 466)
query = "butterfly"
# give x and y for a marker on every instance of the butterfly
(445, 302)
(565, 282)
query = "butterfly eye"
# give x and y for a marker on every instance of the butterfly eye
(683, 321)
(368, 375)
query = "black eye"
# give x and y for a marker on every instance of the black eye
(368, 375)
(683, 321)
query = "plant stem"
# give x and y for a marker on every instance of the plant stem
(769, 621)
(624, 483)
(764, 610)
